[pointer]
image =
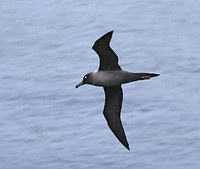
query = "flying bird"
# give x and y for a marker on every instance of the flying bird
(110, 76)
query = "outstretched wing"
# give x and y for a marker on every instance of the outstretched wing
(108, 58)
(112, 109)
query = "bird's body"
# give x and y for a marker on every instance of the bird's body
(110, 76)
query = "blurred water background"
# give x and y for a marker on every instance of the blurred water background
(45, 49)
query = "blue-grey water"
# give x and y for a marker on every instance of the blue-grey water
(45, 49)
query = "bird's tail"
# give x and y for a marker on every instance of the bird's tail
(146, 76)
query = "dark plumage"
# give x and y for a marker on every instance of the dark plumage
(110, 76)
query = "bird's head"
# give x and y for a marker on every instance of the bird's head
(86, 80)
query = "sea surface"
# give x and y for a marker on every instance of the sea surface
(45, 50)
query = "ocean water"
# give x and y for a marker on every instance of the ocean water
(45, 50)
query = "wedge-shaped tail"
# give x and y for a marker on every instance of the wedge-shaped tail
(143, 76)
(112, 110)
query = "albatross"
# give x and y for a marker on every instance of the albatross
(110, 76)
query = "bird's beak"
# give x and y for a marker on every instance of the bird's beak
(80, 84)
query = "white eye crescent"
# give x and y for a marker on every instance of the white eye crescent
(85, 77)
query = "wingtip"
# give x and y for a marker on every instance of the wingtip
(124, 142)
(128, 148)
(111, 31)
(107, 36)
(103, 40)
(126, 145)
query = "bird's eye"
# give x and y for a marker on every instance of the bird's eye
(85, 77)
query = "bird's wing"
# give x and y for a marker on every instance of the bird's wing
(108, 58)
(112, 109)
